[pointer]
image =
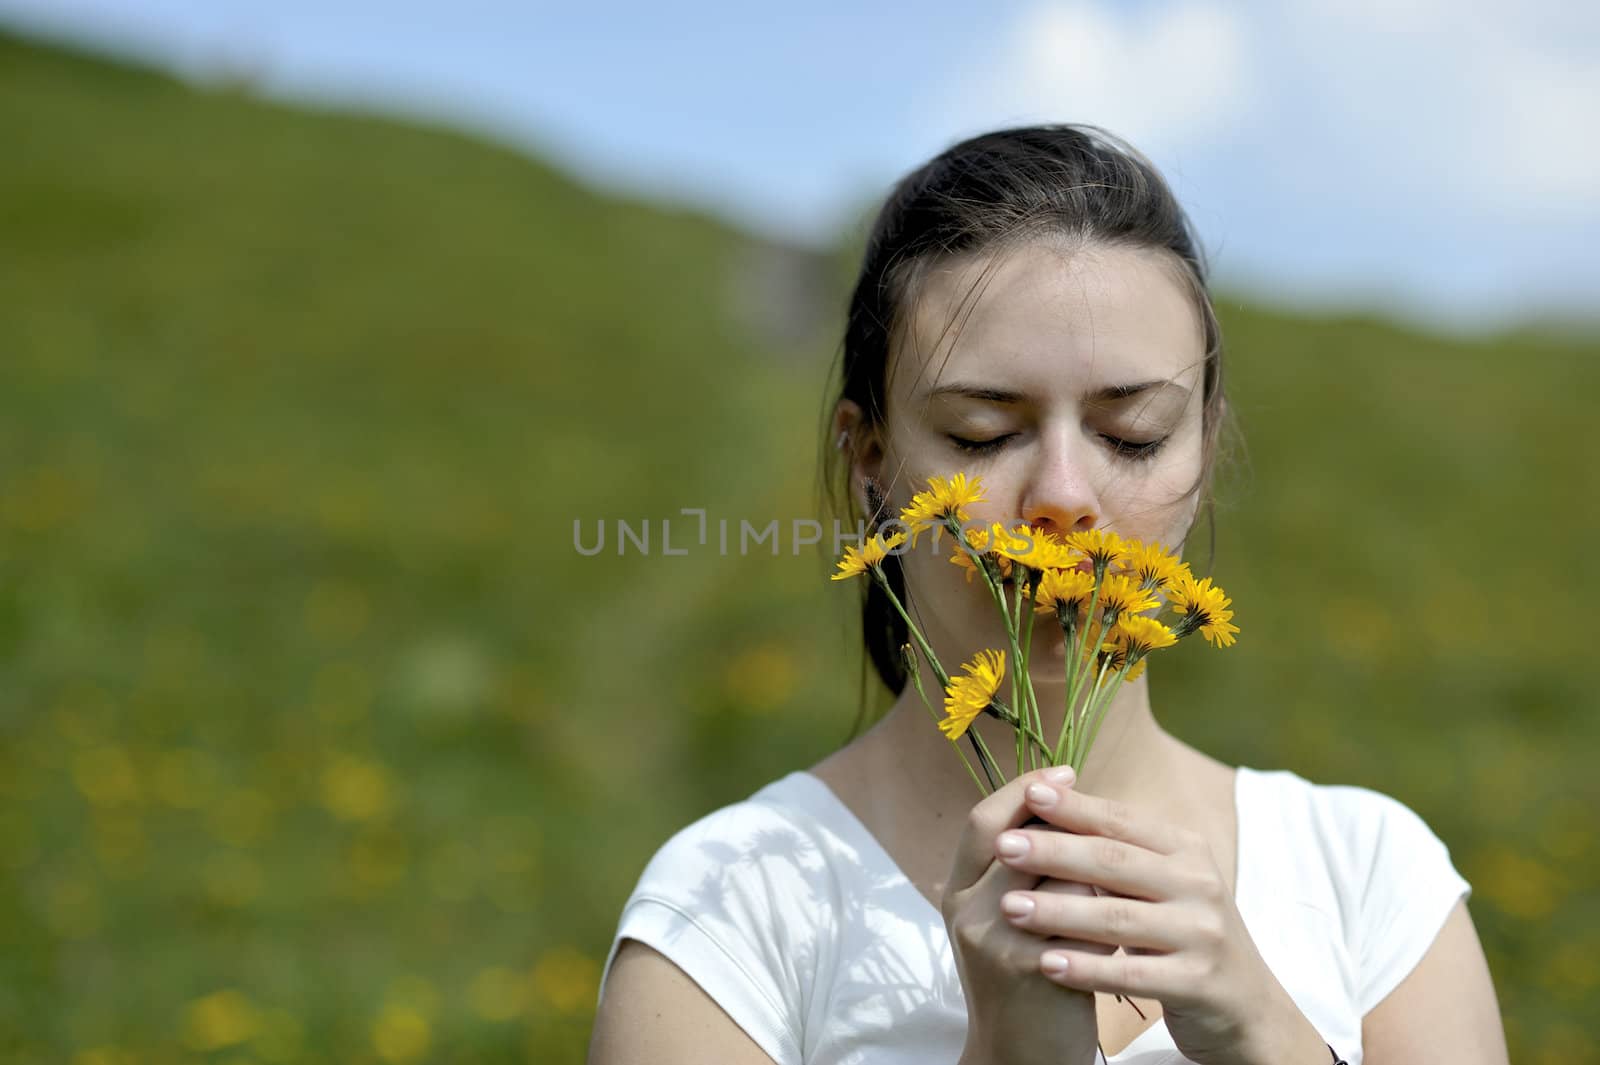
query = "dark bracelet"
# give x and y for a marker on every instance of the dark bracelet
(1337, 1060)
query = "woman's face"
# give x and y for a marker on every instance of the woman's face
(1073, 390)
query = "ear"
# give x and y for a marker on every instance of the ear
(862, 445)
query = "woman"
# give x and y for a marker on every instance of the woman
(1032, 309)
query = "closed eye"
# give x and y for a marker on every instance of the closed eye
(1135, 450)
(981, 447)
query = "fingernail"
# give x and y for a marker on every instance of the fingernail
(1012, 845)
(1015, 905)
(1061, 774)
(1040, 795)
(1053, 963)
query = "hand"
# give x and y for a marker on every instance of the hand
(1167, 905)
(1015, 1014)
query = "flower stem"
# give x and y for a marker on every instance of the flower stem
(916, 678)
(1099, 701)
(916, 633)
(1026, 666)
(985, 759)
(1067, 742)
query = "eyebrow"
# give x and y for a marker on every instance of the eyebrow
(997, 395)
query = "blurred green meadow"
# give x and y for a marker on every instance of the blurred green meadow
(321, 742)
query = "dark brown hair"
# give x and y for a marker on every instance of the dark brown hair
(1069, 182)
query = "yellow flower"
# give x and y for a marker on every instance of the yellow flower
(1151, 566)
(1123, 594)
(1203, 607)
(1101, 548)
(970, 695)
(870, 555)
(1117, 655)
(1038, 549)
(964, 560)
(990, 539)
(1066, 587)
(944, 498)
(1125, 644)
(957, 493)
(980, 540)
(1141, 635)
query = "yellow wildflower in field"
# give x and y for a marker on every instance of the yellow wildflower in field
(971, 694)
(221, 1019)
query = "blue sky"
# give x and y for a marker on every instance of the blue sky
(1423, 157)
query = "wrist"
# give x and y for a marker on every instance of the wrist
(1288, 1038)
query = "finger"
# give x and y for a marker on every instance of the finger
(1172, 978)
(993, 814)
(1108, 894)
(998, 882)
(1067, 888)
(1120, 867)
(1114, 921)
(1091, 814)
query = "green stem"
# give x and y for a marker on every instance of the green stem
(998, 595)
(984, 757)
(1067, 741)
(1094, 712)
(1017, 667)
(1005, 713)
(933, 663)
(916, 633)
(1025, 709)
(916, 678)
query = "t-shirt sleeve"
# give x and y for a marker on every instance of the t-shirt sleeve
(732, 901)
(1405, 885)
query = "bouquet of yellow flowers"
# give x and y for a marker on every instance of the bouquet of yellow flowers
(1099, 587)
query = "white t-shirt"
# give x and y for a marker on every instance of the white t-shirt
(793, 918)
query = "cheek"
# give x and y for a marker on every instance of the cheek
(940, 587)
(930, 577)
(1161, 503)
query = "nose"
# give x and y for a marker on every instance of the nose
(1058, 494)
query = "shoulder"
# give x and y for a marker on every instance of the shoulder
(771, 836)
(1371, 859)
(1379, 836)
(1349, 823)
(738, 901)
(757, 880)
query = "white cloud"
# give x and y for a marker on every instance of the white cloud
(1465, 108)
(1489, 108)
(1160, 76)
(1535, 147)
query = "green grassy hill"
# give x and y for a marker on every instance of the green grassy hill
(311, 715)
